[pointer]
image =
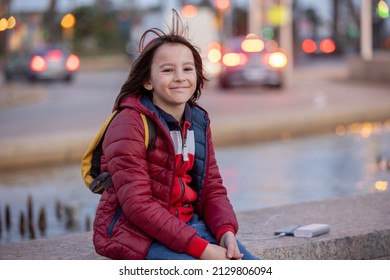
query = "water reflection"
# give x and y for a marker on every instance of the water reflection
(47, 202)
(306, 169)
(44, 202)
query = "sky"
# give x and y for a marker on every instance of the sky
(65, 5)
(68, 5)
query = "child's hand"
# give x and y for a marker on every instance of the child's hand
(229, 242)
(214, 252)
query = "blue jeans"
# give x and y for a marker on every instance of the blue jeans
(159, 251)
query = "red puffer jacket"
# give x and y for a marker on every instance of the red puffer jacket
(134, 211)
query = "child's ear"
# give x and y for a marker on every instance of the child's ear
(148, 85)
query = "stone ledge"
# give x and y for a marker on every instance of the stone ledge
(69, 247)
(360, 229)
(375, 70)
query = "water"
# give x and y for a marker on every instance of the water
(308, 169)
(256, 176)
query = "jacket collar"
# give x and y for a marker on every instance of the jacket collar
(144, 105)
(171, 120)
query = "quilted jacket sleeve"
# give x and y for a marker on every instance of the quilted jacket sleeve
(216, 207)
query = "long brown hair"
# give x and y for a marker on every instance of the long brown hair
(140, 71)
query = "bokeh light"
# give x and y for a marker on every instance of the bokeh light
(381, 185)
(252, 44)
(214, 55)
(3, 24)
(189, 11)
(271, 45)
(309, 46)
(68, 21)
(234, 59)
(214, 52)
(278, 15)
(277, 60)
(11, 22)
(387, 43)
(222, 5)
(72, 63)
(382, 9)
(267, 33)
(327, 46)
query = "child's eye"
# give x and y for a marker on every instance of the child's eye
(167, 70)
(189, 69)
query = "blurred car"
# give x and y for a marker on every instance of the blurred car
(246, 61)
(45, 63)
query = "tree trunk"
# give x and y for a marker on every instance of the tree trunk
(50, 23)
(4, 13)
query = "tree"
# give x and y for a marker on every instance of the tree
(312, 16)
(51, 25)
(4, 10)
(97, 31)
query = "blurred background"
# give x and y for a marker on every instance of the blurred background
(95, 27)
(277, 70)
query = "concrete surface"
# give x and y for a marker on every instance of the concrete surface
(360, 233)
(375, 70)
(360, 225)
(360, 229)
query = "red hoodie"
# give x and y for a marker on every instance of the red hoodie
(183, 196)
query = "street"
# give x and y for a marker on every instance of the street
(86, 102)
(63, 107)
(83, 105)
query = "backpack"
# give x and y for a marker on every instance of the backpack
(98, 181)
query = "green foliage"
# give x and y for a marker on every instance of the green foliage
(97, 32)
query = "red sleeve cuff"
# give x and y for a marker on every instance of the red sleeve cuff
(197, 247)
(222, 230)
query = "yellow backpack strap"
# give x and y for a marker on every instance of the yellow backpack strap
(150, 132)
(90, 165)
(86, 162)
(146, 127)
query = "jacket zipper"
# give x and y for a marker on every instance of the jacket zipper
(168, 136)
(182, 191)
(181, 187)
(184, 133)
(185, 150)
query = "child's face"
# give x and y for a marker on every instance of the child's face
(172, 77)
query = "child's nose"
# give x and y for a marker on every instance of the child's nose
(179, 76)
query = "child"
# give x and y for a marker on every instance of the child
(169, 203)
